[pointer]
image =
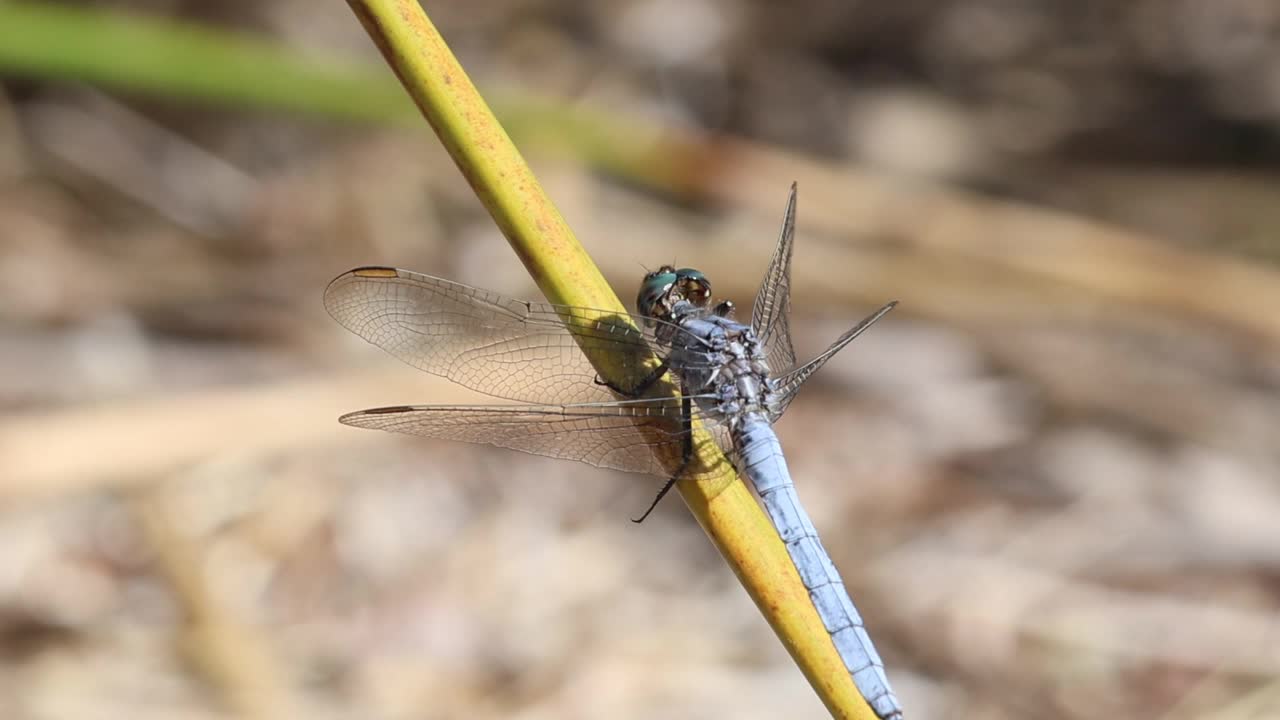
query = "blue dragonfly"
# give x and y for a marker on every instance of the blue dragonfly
(690, 366)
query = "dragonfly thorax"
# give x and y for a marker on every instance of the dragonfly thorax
(742, 381)
(715, 356)
(719, 358)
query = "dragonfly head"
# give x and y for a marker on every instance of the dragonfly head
(666, 286)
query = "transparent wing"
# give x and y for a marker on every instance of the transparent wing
(787, 385)
(501, 346)
(644, 436)
(772, 306)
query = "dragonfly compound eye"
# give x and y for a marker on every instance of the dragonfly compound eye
(693, 286)
(655, 287)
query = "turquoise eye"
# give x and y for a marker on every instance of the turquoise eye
(655, 285)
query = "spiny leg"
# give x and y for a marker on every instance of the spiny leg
(686, 455)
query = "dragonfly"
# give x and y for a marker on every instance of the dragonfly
(695, 376)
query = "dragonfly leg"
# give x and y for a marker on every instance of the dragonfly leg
(641, 387)
(663, 492)
(686, 455)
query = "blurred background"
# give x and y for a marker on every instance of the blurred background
(1050, 477)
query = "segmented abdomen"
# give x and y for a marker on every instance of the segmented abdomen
(762, 461)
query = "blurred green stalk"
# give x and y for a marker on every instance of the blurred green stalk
(189, 62)
(184, 61)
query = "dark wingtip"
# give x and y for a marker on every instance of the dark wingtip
(368, 271)
(348, 418)
(382, 410)
(374, 271)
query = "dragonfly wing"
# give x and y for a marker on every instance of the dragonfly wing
(787, 385)
(769, 313)
(498, 345)
(643, 436)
